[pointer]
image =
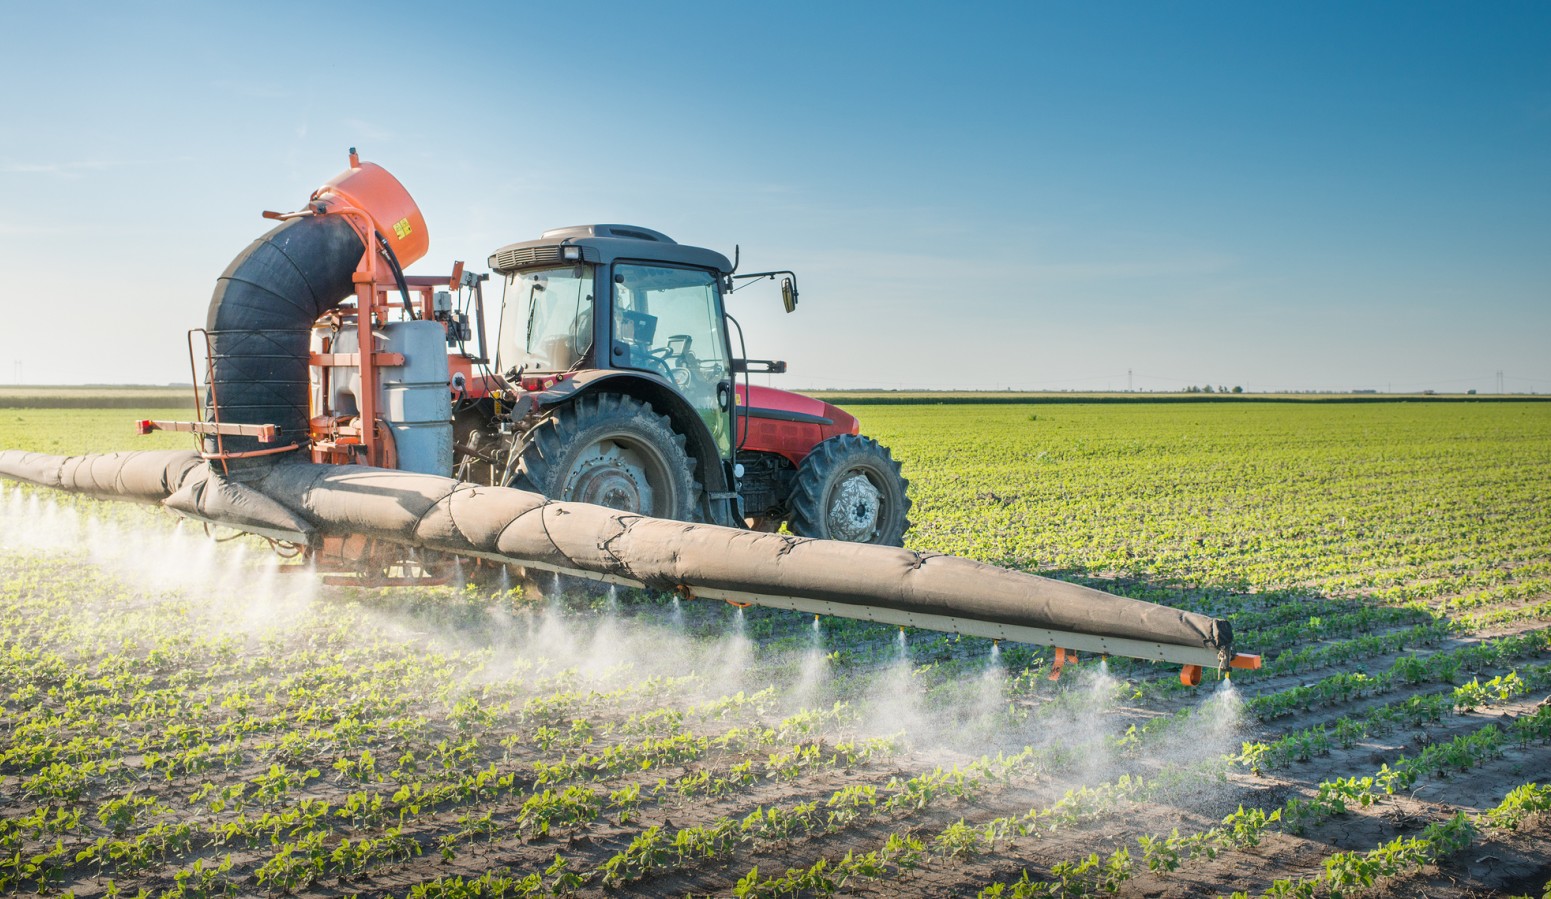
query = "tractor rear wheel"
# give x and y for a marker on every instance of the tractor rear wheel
(850, 488)
(611, 450)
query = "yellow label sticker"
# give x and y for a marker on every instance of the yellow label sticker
(401, 228)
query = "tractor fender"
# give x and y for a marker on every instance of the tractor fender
(663, 396)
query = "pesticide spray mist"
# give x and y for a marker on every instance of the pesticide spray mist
(241, 587)
(235, 587)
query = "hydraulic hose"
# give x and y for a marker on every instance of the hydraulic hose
(398, 275)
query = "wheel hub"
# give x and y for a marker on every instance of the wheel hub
(612, 476)
(853, 511)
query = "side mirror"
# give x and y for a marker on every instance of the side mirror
(789, 294)
(767, 366)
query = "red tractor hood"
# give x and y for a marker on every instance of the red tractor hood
(790, 424)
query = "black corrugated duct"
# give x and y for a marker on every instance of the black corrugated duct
(260, 321)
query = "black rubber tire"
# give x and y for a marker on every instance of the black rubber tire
(612, 450)
(818, 497)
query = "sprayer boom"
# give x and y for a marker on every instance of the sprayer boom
(303, 503)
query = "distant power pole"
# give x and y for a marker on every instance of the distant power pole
(19, 371)
(1128, 380)
(1499, 381)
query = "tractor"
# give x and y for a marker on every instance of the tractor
(616, 383)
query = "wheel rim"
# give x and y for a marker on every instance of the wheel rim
(619, 474)
(855, 508)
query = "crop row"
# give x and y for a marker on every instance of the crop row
(1413, 711)
(1408, 670)
(1159, 854)
(300, 831)
(1096, 874)
(1356, 871)
(960, 840)
(656, 849)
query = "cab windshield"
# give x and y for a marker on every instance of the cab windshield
(546, 319)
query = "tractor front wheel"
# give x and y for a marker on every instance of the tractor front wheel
(850, 488)
(611, 450)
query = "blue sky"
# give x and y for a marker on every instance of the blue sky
(1298, 195)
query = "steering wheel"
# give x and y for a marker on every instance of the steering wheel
(660, 357)
(656, 359)
(685, 368)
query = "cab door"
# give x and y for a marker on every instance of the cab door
(668, 320)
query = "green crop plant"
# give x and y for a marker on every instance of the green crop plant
(204, 881)
(1521, 803)
(1345, 872)
(960, 840)
(295, 864)
(540, 812)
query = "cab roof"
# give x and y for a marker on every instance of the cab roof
(603, 244)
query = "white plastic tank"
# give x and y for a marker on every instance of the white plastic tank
(416, 401)
(345, 380)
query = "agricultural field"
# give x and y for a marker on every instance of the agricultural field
(184, 717)
(95, 397)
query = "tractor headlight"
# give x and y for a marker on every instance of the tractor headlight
(571, 254)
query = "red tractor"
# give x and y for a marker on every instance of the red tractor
(616, 383)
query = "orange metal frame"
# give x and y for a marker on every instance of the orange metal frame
(215, 428)
(331, 441)
(1189, 675)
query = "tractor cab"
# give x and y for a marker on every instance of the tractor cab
(616, 343)
(620, 298)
